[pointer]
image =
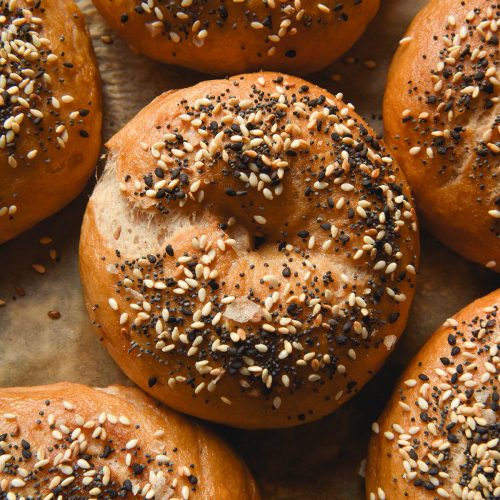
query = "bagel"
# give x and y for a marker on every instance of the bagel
(438, 436)
(249, 254)
(441, 109)
(50, 102)
(72, 441)
(240, 35)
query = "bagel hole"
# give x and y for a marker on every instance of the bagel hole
(259, 241)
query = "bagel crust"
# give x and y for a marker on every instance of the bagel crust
(222, 38)
(439, 435)
(50, 109)
(441, 118)
(249, 255)
(72, 441)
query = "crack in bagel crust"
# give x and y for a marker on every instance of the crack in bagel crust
(439, 437)
(261, 33)
(297, 258)
(448, 131)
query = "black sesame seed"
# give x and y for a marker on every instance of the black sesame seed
(138, 469)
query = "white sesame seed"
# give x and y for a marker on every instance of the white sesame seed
(113, 304)
(391, 268)
(131, 444)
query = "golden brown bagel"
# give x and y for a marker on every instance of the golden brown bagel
(438, 436)
(249, 255)
(50, 110)
(72, 441)
(224, 38)
(441, 111)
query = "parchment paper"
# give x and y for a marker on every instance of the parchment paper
(320, 460)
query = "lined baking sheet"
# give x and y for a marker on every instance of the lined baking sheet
(322, 460)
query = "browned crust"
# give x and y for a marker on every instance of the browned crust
(219, 472)
(312, 401)
(43, 185)
(453, 193)
(384, 467)
(235, 46)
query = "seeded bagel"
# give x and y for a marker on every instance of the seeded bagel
(74, 441)
(224, 38)
(249, 254)
(50, 131)
(438, 437)
(441, 117)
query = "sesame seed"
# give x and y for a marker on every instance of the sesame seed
(113, 304)
(405, 41)
(131, 444)
(39, 268)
